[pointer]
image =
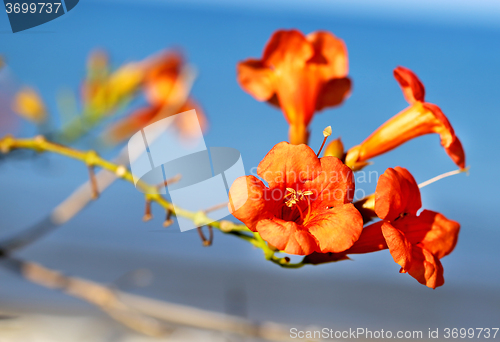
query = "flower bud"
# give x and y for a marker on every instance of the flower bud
(28, 104)
(335, 149)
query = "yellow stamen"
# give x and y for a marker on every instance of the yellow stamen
(296, 196)
(290, 192)
(305, 193)
(326, 133)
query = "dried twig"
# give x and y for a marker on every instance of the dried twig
(103, 297)
(206, 242)
(145, 315)
(93, 182)
(168, 219)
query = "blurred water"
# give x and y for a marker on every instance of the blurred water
(460, 69)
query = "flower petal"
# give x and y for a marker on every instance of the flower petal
(449, 140)
(330, 53)
(128, 126)
(413, 89)
(189, 128)
(287, 236)
(397, 193)
(161, 77)
(287, 46)
(248, 201)
(336, 229)
(413, 199)
(432, 230)
(399, 246)
(256, 79)
(333, 93)
(426, 268)
(370, 240)
(286, 166)
(333, 186)
(296, 86)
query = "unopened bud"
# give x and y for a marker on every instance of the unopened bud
(335, 149)
(28, 104)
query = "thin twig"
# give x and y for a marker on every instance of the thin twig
(169, 181)
(168, 219)
(206, 242)
(216, 207)
(143, 314)
(69, 208)
(81, 197)
(93, 182)
(101, 296)
(147, 211)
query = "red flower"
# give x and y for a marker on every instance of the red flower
(306, 206)
(301, 74)
(416, 242)
(419, 119)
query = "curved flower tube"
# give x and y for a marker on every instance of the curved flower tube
(418, 119)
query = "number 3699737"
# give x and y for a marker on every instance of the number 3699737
(41, 7)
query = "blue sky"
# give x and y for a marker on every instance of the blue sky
(461, 12)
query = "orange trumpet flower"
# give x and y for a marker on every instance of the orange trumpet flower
(416, 242)
(166, 85)
(307, 205)
(301, 74)
(102, 91)
(142, 117)
(419, 119)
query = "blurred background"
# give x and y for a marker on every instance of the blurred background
(453, 46)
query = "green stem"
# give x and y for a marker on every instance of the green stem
(92, 159)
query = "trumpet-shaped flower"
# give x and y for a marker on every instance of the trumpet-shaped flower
(305, 206)
(145, 116)
(301, 74)
(418, 119)
(166, 87)
(103, 91)
(416, 242)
